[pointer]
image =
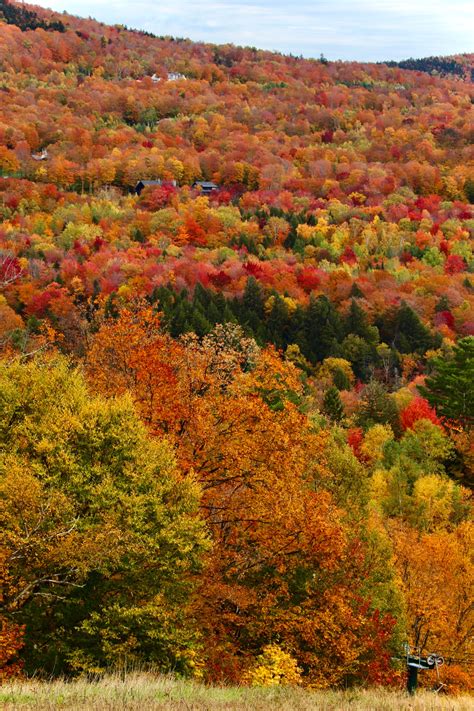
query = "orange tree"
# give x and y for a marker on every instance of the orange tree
(437, 577)
(284, 567)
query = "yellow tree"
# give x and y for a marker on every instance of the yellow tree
(99, 532)
(437, 578)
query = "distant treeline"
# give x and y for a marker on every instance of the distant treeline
(444, 66)
(27, 19)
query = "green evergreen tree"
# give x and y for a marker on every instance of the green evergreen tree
(402, 329)
(110, 308)
(251, 310)
(412, 335)
(356, 292)
(180, 319)
(377, 407)
(340, 379)
(360, 354)
(228, 315)
(222, 305)
(200, 324)
(212, 313)
(469, 190)
(451, 387)
(332, 405)
(323, 329)
(357, 322)
(443, 304)
(201, 296)
(164, 298)
(253, 301)
(277, 323)
(296, 328)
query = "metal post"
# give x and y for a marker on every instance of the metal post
(412, 681)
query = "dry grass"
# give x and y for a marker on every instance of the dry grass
(144, 692)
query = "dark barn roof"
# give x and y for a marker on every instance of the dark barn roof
(142, 184)
(205, 185)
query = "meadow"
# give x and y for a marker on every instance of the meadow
(146, 692)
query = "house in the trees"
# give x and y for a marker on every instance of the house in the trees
(171, 76)
(142, 184)
(40, 156)
(205, 186)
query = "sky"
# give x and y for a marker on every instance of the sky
(362, 30)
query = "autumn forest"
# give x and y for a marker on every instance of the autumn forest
(236, 360)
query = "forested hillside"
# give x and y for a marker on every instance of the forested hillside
(237, 359)
(458, 66)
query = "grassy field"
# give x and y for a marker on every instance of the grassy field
(145, 692)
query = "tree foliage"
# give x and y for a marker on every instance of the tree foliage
(97, 525)
(450, 387)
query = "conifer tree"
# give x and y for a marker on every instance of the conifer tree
(411, 334)
(253, 298)
(332, 404)
(340, 379)
(451, 387)
(403, 329)
(469, 190)
(179, 322)
(377, 407)
(323, 329)
(356, 322)
(110, 309)
(356, 292)
(200, 324)
(201, 296)
(251, 310)
(277, 322)
(443, 304)
(212, 313)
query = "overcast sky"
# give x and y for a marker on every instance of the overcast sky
(340, 29)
